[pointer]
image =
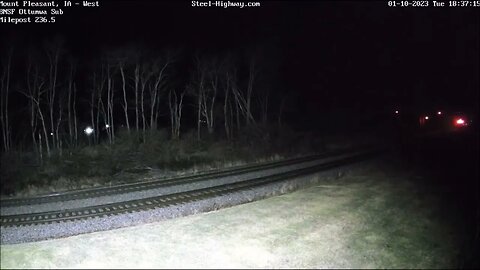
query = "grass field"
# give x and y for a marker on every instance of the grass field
(370, 218)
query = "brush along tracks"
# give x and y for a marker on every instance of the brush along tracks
(179, 198)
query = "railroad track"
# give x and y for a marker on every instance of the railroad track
(160, 182)
(179, 198)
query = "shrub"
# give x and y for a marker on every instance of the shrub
(131, 153)
(17, 169)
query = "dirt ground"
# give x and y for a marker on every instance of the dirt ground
(370, 218)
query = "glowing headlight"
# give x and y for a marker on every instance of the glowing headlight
(88, 130)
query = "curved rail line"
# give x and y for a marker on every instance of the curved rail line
(171, 199)
(163, 182)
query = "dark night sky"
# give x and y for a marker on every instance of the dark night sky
(352, 54)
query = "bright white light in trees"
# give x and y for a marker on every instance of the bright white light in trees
(88, 131)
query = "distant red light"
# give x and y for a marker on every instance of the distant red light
(439, 113)
(460, 122)
(426, 117)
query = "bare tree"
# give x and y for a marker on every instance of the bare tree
(74, 107)
(136, 80)
(71, 122)
(110, 95)
(61, 101)
(237, 105)
(242, 106)
(5, 89)
(35, 95)
(34, 92)
(175, 105)
(32, 88)
(231, 78)
(42, 118)
(209, 92)
(99, 80)
(201, 80)
(121, 66)
(93, 103)
(53, 51)
(160, 67)
(252, 73)
(206, 83)
(145, 76)
(226, 105)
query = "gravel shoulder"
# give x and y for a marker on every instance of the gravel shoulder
(370, 218)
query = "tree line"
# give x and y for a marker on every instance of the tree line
(133, 87)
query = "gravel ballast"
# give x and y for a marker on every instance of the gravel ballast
(12, 235)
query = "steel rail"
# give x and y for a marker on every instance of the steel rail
(171, 199)
(163, 182)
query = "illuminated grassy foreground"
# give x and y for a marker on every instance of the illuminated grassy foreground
(368, 219)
